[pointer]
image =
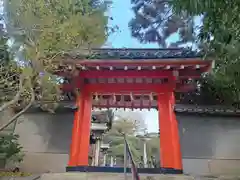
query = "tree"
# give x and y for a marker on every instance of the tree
(153, 150)
(135, 116)
(10, 149)
(116, 140)
(7, 71)
(128, 124)
(220, 33)
(12, 80)
(216, 34)
(41, 32)
(155, 22)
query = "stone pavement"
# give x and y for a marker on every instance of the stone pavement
(32, 177)
(115, 176)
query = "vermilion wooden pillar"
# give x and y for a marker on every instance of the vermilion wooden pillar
(85, 130)
(170, 153)
(73, 155)
(81, 131)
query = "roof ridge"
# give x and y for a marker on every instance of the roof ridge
(133, 53)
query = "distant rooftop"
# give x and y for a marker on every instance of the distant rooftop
(181, 109)
(123, 53)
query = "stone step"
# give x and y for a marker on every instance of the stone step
(108, 176)
(117, 176)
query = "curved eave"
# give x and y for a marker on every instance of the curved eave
(132, 68)
(119, 57)
(136, 62)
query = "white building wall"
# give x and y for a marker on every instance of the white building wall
(209, 144)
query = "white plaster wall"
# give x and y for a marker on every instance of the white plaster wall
(46, 140)
(209, 145)
(4, 118)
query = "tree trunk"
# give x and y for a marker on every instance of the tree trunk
(15, 99)
(14, 118)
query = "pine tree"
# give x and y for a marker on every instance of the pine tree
(154, 22)
(41, 32)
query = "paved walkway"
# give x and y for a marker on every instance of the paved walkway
(114, 176)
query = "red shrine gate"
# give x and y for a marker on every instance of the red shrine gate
(131, 78)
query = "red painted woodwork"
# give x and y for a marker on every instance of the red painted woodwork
(132, 70)
(186, 73)
(75, 133)
(170, 153)
(82, 159)
(125, 74)
(81, 131)
(126, 88)
(140, 62)
(129, 87)
(183, 73)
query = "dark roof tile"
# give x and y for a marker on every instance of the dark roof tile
(135, 54)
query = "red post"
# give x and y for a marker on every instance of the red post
(85, 127)
(170, 152)
(81, 131)
(73, 156)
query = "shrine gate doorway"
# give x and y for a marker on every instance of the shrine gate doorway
(131, 78)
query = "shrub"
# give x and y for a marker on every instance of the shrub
(10, 149)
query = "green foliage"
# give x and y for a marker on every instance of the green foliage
(220, 33)
(40, 32)
(218, 36)
(153, 146)
(9, 72)
(130, 128)
(45, 31)
(4, 54)
(56, 26)
(9, 80)
(153, 151)
(10, 148)
(116, 140)
(15, 81)
(154, 22)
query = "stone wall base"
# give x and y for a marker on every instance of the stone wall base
(116, 176)
(56, 163)
(44, 162)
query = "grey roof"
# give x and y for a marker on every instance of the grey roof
(207, 110)
(107, 53)
(181, 109)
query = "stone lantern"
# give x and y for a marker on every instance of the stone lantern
(145, 137)
(104, 149)
(101, 123)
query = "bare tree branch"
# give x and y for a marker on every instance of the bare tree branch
(16, 97)
(14, 118)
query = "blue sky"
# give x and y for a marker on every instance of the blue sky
(122, 14)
